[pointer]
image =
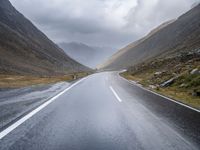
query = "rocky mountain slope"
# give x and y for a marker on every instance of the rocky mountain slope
(170, 38)
(167, 60)
(25, 50)
(85, 54)
(176, 76)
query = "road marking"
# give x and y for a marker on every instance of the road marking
(118, 98)
(32, 113)
(133, 83)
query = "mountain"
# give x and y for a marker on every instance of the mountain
(180, 35)
(26, 50)
(85, 54)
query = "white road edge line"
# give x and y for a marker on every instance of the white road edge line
(194, 109)
(118, 98)
(32, 113)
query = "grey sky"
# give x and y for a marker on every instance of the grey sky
(100, 22)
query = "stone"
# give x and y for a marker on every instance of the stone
(157, 73)
(168, 82)
(153, 86)
(195, 71)
(183, 85)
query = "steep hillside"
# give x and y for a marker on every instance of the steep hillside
(176, 76)
(25, 50)
(173, 37)
(88, 55)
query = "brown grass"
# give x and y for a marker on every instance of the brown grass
(181, 95)
(17, 81)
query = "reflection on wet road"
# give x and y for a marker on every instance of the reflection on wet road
(90, 116)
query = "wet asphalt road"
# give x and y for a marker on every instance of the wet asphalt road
(16, 102)
(91, 117)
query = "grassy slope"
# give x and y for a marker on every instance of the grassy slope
(183, 87)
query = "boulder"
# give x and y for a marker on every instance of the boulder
(195, 71)
(153, 86)
(183, 85)
(168, 82)
(157, 73)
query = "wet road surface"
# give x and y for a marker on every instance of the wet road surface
(105, 112)
(16, 102)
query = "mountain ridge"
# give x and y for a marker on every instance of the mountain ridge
(179, 35)
(24, 49)
(86, 54)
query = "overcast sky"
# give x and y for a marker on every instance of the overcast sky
(100, 22)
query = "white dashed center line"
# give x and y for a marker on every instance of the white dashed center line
(118, 98)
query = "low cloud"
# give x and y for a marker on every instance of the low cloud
(112, 23)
